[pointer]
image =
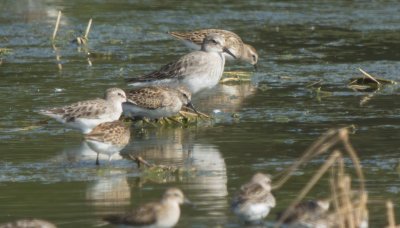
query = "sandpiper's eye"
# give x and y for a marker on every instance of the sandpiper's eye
(254, 58)
(214, 41)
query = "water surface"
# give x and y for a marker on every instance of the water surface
(47, 171)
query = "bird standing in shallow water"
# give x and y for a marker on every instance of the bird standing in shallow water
(157, 101)
(164, 213)
(108, 138)
(233, 42)
(195, 71)
(254, 200)
(85, 115)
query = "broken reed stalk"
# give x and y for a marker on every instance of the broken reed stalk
(344, 135)
(88, 28)
(320, 146)
(369, 76)
(344, 186)
(57, 23)
(390, 214)
(332, 159)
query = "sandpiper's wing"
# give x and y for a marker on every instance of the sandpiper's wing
(90, 109)
(150, 97)
(189, 64)
(142, 216)
(113, 132)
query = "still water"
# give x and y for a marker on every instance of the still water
(46, 171)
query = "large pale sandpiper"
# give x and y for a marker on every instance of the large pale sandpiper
(233, 42)
(195, 71)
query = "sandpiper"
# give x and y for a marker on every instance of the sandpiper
(85, 115)
(196, 71)
(164, 213)
(28, 223)
(233, 42)
(108, 138)
(156, 101)
(254, 200)
(305, 211)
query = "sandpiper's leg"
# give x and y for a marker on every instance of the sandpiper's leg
(97, 159)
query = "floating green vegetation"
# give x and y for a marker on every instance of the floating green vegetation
(368, 82)
(236, 77)
(186, 118)
(5, 51)
(160, 173)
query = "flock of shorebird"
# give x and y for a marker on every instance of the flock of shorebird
(162, 94)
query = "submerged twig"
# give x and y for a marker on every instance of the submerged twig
(333, 158)
(57, 23)
(314, 83)
(139, 160)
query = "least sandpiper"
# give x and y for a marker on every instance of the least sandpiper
(108, 138)
(85, 115)
(254, 200)
(28, 223)
(306, 211)
(157, 101)
(233, 42)
(164, 213)
(196, 71)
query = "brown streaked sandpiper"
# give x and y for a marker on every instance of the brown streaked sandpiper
(156, 101)
(28, 223)
(254, 200)
(164, 213)
(108, 138)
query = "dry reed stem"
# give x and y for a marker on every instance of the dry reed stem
(390, 214)
(334, 194)
(320, 146)
(368, 75)
(344, 135)
(332, 159)
(57, 24)
(198, 114)
(362, 209)
(344, 186)
(88, 28)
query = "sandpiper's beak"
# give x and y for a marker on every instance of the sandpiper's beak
(255, 67)
(130, 101)
(187, 201)
(190, 104)
(229, 52)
